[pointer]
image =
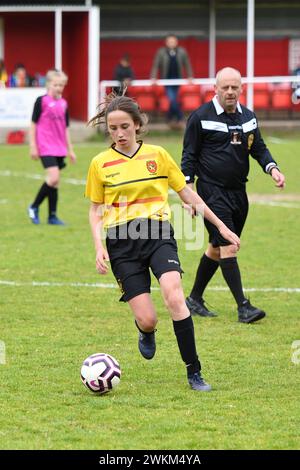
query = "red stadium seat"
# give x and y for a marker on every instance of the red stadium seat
(281, 97)
(190, 97)
(261, 96)
(190, 102)
(208, 92)
(145, 97)
(189, 89)
(146, 102)
(243, 98)
(162, 101)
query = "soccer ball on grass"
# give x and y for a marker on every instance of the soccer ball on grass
(100, 373)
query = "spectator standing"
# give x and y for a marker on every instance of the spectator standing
(172, 61)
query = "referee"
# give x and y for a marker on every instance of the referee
(219, 137)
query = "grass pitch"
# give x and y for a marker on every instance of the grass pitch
(52, 318)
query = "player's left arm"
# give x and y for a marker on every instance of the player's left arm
(70, 149)
(188, 196)
(71, 152)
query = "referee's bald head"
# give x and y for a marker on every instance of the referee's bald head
(228, 73)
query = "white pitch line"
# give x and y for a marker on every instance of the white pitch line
(33, 176)
(276, 140)
(287, 205)
(293, 290)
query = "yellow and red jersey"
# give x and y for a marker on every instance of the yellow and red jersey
(133, 187)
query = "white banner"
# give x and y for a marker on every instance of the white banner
(294, 54)
(16, 105)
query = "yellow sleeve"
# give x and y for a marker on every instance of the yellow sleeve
(176, 178)
(94, 189)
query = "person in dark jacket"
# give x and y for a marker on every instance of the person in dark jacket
(219, 137)
(123, 73)
(172, 61)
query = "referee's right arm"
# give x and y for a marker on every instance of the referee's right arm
(191, 148)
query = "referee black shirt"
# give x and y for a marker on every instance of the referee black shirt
(217, 146)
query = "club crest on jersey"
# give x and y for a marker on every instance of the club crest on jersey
(151, 166)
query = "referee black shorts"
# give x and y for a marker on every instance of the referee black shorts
(48, 161)
(136, 247)
(230, 205)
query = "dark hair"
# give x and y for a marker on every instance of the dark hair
(126, 57)
(114, 102)
(19, 66)
(171, 35)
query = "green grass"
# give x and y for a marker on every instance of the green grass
(48, 331)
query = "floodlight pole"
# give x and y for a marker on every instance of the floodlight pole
(58, 39)
(250, 51)
(93, 60)
(212, 39)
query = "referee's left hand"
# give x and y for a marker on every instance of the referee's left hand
(279, 178)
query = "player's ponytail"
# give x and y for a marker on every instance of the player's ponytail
(114, 102)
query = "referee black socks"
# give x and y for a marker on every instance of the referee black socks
(232, 276)
(206, 269)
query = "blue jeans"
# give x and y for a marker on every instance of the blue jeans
(174, 109)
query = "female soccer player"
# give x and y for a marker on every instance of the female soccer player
(128, 188)
(50, 141)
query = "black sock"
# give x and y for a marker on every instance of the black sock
(53, 197)
(184, 331)
(206, 269)
(232, 276)
(41, 195)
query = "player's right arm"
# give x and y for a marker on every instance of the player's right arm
(36, 113)
(32, 142)
(95, 218)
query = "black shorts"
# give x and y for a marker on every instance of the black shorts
(230, 205)
(49, 161)
(131, 256)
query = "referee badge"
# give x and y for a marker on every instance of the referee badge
(236, 138)
(250, 141)
(151, 166)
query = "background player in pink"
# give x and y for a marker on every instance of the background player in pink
(50, 141)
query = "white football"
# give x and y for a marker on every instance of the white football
(100, 373)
